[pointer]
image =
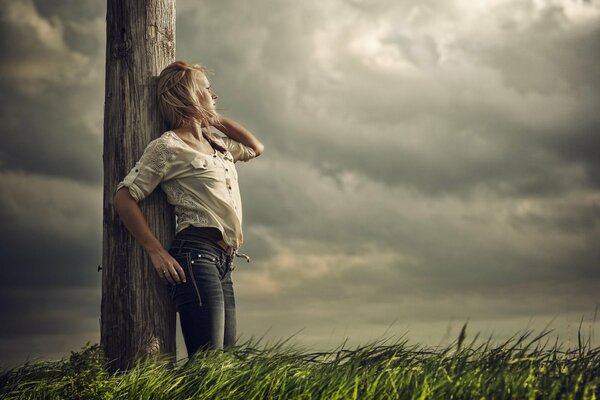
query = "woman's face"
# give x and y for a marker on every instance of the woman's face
(207, 96)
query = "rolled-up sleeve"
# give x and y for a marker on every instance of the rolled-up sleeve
(239, 151)
(148, 172)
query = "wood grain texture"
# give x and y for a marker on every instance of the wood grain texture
(137, 315)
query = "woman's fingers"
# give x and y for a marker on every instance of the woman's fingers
(169, 275)
(164, 274)
(162, 277)
(174, 273)
(179, 271)
(167, 268)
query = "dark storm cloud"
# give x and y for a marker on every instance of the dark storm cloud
(71, 10)
(73, 307)
(82, 21)
(39, 135)
(579, 144)
(51, 235)
(49, 92)
(37, 260)
(45, 321)
(50, 155)
(560, 55)
(478, 251)
(441, 106)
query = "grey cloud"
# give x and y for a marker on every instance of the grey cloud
(457, 246)
(35, 54)
(36, 261)
(421, 51)
(71, 9)
(73, 308)
(578, 143)
(550, 55)
(39, 137)
(87, 36)
(83, 23)
(405, 109)
(572, 217)
(52, 236)
(374, 293)
(52, 98)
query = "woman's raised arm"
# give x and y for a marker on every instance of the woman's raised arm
(240, 134)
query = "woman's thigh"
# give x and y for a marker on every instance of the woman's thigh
(204, 271)
(206, 302)
(229, 308)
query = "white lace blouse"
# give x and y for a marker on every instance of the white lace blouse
(203, 188)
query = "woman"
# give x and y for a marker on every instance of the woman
(195, 168)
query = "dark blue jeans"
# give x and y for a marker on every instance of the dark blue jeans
(206, 302)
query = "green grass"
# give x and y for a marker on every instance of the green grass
(520, 368)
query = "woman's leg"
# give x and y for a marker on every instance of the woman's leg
(229, 299)
(200, 301)
(202, 328)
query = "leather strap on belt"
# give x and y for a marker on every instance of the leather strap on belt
(194, 232)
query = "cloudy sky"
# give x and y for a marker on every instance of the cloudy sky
(426, 163)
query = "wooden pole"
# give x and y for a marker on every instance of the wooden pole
(137, 317)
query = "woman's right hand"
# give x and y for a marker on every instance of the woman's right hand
(167, 268)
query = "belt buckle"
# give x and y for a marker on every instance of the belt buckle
(230, 257)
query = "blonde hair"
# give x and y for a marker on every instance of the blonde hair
(179, 95)
(180, 98)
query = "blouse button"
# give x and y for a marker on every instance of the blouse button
(136, 170)
(226, 169)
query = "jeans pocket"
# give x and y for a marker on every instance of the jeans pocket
(201, 259)
(185, 292)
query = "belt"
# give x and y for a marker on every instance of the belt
(229, 250)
